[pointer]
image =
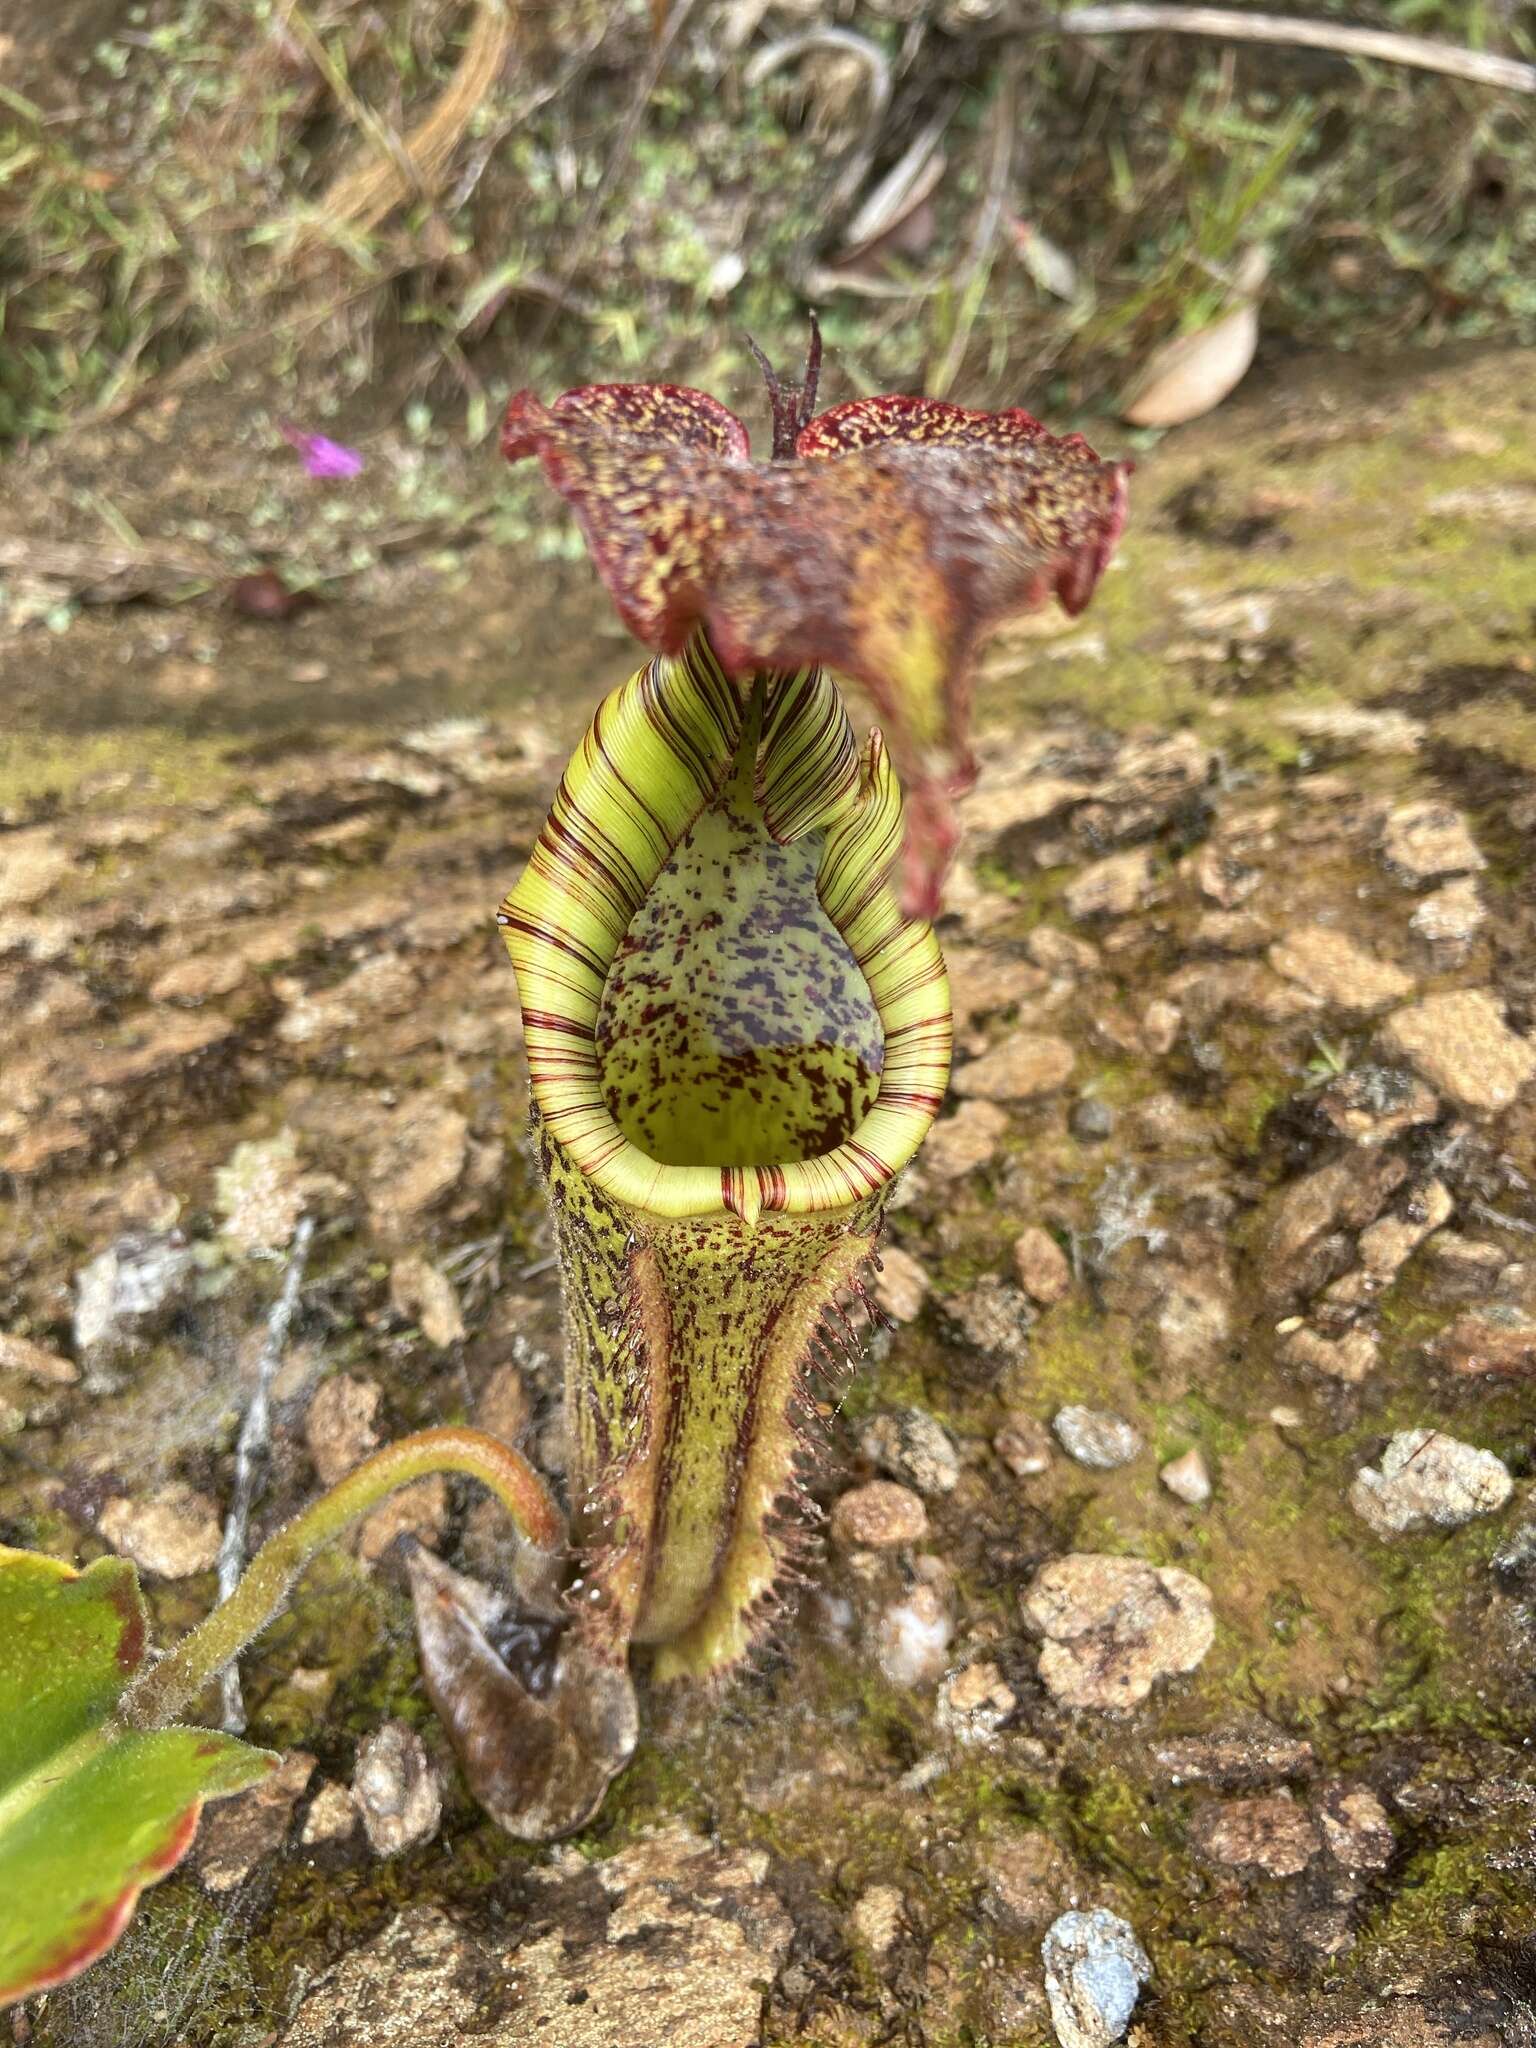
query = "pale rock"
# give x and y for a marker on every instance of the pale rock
(258, 1192)
(237, 1833)
(1095, 1969)
(203, 978)
(420, 1158)
(979, 909)
(1251, 1752)
(1095, 1437)
(419, 1510)
(1166, 1123)
(1311, 1213)
(878, 1516)
(1020, 1069)
(32, 863)
(901, 1285)
(332, 1817)
(994, 1318)
(1061, 953)
(1114, 1625)
(1427, 1478)
(423, 1294)
(396, 1790)
(876, 1918)
(151, 1045)
(340, 1425)
(173, 1532)
(55, 1003)
(1224, 877)
(1024, 1445)
(1112, 887)
(1089, 1120)
(1044, 1271)
(1357, 728)
(1463, 1265)
(1187, 1478)
(1462, 1045)
(505, 1407)
(983, 982)
(912, 1445)
(1387, 1245)
(38, 938)
(31, 1362)
(1270, 1833)
(1371, 1105)
(420, 1983)
(1003, 802)
(964, 1142)
(1349, 1359)
(1427, 839)
(45, 1145)
(911, 1637)
(126, 1288)
(1230, 932)
(1498, 1339)
(1356, 1827)
(692, 1938)
(1466, 440)
(1028, 1875)
(973, 1704)
(1161, 1022)
(1155, 774)
(1194, 1317)
(1208, 990)
(1332, 967)
(324, 1019)
(1450, 919)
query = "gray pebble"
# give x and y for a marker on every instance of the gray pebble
(1094, 1972)
(1095, 1437)
(1090, 1120)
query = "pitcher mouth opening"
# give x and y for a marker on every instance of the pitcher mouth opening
(723, 1007)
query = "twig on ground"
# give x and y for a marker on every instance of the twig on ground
(391, 147)
(1419, 52)
(1498, 1216)
(362, 197)
(251, 1450)
(107, 574)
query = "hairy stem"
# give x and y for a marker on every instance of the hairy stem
(172, 1685)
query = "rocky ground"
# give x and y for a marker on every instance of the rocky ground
(1170, 1665)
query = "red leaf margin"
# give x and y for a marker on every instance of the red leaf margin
(114, 1918)
(116, 1584)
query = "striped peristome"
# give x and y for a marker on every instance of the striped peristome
(660, 748)
(735, 1041)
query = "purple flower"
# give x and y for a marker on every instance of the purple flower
(322, 457)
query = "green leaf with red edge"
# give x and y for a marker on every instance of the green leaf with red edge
(903, 533)
(90, 1811)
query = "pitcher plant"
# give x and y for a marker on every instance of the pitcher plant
(737, 1030)
(737, 1034)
